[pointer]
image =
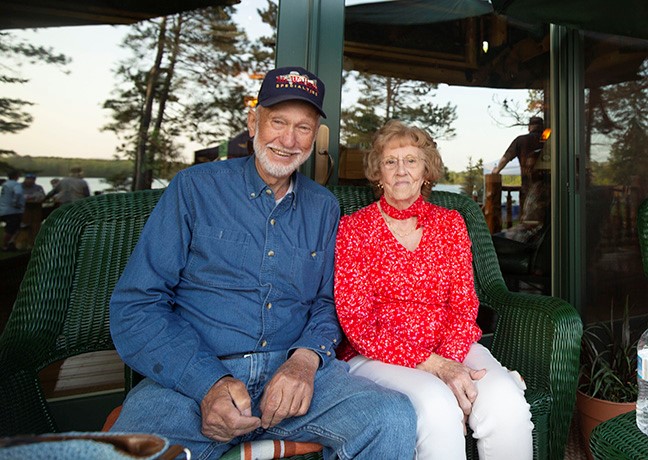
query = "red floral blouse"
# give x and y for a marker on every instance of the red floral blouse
(400, 306)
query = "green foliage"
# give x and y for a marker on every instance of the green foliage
(187, 76)
(609, 360)
(59, 167)
(117, 172)
(511, 113)
(473, 180)
(386, 98)
(629, 154)
(617, 114)
(15, 52)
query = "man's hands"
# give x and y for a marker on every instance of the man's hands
(226, 410)
(457, 376)
(290, 391)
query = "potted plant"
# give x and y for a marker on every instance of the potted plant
(608, 372)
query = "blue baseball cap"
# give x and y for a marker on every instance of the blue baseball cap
(289, 84)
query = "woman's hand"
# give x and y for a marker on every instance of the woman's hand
(458, 377)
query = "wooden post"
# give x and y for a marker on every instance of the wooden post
(493, 202)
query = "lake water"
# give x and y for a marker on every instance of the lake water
(95, 184)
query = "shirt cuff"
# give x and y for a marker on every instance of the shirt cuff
(325, 348)
(198, 379)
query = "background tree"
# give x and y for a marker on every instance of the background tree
(510, 113)
(383, 98)
(15, 52)
(193, 86)
(615, 117)
(473, 180)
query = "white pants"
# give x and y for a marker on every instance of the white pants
(500, 417)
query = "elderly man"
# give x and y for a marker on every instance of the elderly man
(226, 305)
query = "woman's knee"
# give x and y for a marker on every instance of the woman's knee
(501, 403)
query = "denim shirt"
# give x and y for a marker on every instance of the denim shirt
(221, 269)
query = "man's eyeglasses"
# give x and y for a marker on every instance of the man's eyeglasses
(409, 162)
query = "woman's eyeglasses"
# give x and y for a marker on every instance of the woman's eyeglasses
(409, 162)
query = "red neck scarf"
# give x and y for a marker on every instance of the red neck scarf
(415, 210)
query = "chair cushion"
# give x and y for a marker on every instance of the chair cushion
(270, 449)
(111, 419)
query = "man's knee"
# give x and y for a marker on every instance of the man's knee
(394, 412)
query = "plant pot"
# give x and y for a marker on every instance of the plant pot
(592, 411)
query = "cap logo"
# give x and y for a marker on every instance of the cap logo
(296, 80)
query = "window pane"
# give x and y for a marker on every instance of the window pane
(616, 149)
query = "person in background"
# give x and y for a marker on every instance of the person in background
(527, 149)
(405, 297)
(33, 192)
(535, 196)
(33, 215)
(226, 304)
(70, 188)
(12, 206)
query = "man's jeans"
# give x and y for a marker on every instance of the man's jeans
(351, 417)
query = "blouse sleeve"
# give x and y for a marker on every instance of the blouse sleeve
(461, 330)
(355, 301)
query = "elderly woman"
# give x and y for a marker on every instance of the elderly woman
(405, 298)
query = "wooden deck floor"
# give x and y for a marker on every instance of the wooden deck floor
(88, 373)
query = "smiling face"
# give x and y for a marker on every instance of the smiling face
(402, 172)
(283, 137)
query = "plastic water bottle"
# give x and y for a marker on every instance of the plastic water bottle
(642, 380)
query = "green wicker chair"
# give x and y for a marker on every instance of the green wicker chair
(62, 306)
(62, 310)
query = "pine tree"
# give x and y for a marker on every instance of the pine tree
(194, 86)
(14, 52)
(384, 98)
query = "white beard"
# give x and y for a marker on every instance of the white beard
(278, 170)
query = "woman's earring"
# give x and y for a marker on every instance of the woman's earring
(426, 182)
(379, 185)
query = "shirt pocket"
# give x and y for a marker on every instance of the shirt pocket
(217, 255)
(306, 270)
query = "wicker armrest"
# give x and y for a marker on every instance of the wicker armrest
(539, 336)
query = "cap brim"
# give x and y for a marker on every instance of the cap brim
(284, 98)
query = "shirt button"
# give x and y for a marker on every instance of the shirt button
(328, 353)
(272, 221)
(313, 254)
(271, 253)
(322, 347)
(269, 305)
(252, 194)
(268, 191)
(264, 344)
(334, 340)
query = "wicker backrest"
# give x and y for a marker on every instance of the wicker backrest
(62, 306)
(642, 231)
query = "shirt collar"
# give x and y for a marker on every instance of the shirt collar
(255, 186)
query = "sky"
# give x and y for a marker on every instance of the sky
(68, 113)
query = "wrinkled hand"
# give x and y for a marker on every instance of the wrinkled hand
(289, 392)
(226, 410)
(458, 377)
